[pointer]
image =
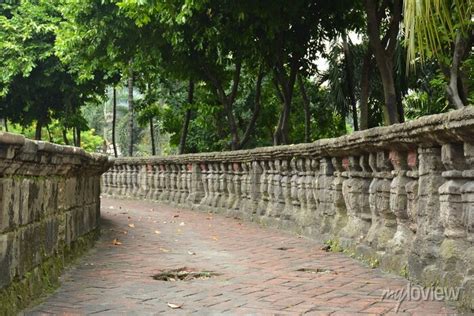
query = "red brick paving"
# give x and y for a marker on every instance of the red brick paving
(255, 277)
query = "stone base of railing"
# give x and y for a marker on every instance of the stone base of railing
(399, 197)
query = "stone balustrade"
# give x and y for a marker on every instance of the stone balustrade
(49, 211)
(401, 197)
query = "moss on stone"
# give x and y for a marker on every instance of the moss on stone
(44, 278)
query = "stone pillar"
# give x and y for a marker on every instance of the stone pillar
(237, 179)
(356, 195)
(275, 190)
(467, 196)
(155, 195)
(384, 224)
(429, 234)
(263, 200)
(454, 246)
(217, 185)
(230, 187)
(280, 188)
(166, 183)
(292, 203)
(196, 189)
(184, 185)
(204, 174)
(324, 195)
(255, 195)
(223, 187)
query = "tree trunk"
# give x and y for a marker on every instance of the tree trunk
(130, 111)
(364, 91)
(228, 100)
(78, 137)
(287, 84)
(39, 127)
(256, 111)
(74, 142)
(390, 110)
(114, 120)
(187, 118)
(50, 137)
(349, 80)
(307, 112)
(384, 52)
(66, 141)
(453, 86)
(152, 137)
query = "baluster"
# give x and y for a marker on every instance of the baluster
(196, 192)
(263, 202)
(303, 213)
(244, 198)
(156, 182)
(271, 192)
(237, 186)
(383, 220)
(323, 194)
(222, 187)
(429, 232)
(356, 196)
(289, 183)
(230, 187)
(167, 183)
(216, 185)
(452, 215)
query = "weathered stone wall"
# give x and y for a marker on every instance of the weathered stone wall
(401, 197)
(49, 211)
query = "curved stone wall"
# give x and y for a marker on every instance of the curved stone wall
(49, 211)
(401, 197)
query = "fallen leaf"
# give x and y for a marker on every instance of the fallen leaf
(125, 232)
(192, 253)
(176, 215)
(116, 242)
(209, 218)
(178, 230)
(131, 225)
(174, 306)
(181, 224)
(164, 250)
(215, 238)
(129, 217)
(157, 232)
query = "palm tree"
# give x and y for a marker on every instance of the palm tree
(441, 29)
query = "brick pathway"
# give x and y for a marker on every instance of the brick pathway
(257, 267)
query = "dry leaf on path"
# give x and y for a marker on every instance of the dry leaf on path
(116, 242)
(192, 253)
(157, 232)
(215, 238)
(131, 225)
(181, 224)
(174, 306)
(164, 250)
(176, 215)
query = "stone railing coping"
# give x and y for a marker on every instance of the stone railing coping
(22, 156)
(455, 126)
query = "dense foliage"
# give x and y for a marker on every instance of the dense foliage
(139, 77)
